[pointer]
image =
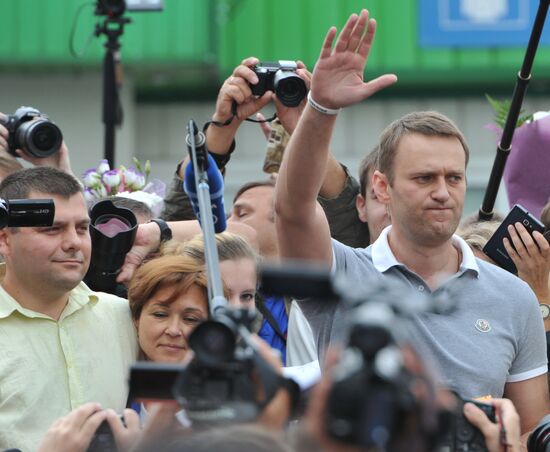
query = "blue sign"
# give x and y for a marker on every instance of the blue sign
(478, 23)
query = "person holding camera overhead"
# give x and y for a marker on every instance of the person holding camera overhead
(17, 138)
(63, 345)
(493, 343)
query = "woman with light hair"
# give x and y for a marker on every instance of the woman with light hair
(238, 264)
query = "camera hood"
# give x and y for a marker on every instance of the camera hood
(113, 231)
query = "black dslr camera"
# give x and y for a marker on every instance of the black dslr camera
(459, 434)
(103, 440)
(32, 131)
(539, 440)
(280, 77)
(112, 231)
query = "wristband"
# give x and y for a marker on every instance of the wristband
(320, 108)
(165, 231)
(220, 159)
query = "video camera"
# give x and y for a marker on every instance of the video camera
(16, 213)
(372, 402)
(227, 381)
(33, 132)
(281, 78)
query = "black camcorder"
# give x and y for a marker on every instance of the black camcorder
(223, 381)
(281, 78)
(26, 212)
(372, 402)
(33, 132)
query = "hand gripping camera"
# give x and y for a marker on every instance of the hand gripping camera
(33, 132)
(280, 77)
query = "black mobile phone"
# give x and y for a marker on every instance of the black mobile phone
(149, 380)
(494, 248)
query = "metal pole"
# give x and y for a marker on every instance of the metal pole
(505, 145)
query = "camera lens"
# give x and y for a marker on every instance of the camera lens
(539, 440)
(39, 138)
(111, 225)
(290, 88)
(213, 342)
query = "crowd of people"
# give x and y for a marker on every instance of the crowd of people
(67, 350)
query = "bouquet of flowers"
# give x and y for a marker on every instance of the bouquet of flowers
(102, 182)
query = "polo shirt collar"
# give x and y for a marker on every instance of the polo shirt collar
(383, 257)
(79, 297)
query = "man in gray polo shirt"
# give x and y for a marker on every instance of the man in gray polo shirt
(493, 343)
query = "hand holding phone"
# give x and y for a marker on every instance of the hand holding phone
(520, 239)
(531, 256)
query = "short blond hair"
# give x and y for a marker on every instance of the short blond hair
(430, 123)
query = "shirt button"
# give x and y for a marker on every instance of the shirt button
(421, 288)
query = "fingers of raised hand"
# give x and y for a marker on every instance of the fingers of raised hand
(326, 50)
(360, 31)
(368, 38)
(345, 35)
(378, 84)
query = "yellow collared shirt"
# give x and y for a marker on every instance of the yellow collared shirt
(49, 367)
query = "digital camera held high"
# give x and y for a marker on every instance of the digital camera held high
(281, 78)
(33, 132)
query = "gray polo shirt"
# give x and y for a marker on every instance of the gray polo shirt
(494, 336)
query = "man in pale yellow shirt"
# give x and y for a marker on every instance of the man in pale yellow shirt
(61, 345)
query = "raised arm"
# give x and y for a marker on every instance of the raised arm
(337, 82)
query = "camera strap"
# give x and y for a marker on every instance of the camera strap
(268, 316)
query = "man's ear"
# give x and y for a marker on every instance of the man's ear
(360, 206)
(4, 242)
(381, 186)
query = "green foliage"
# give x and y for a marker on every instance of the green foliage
(501, 108)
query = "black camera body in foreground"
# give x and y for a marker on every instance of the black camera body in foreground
(281, 78)
(16, 213)
(33, 132)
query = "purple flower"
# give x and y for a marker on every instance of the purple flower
(112, 180)
(91, 178)
(103, 166)
(133, 179)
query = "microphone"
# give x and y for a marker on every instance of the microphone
(215, 185)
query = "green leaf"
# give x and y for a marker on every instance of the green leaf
(501, 109)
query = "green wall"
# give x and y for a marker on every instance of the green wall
(193, 44)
